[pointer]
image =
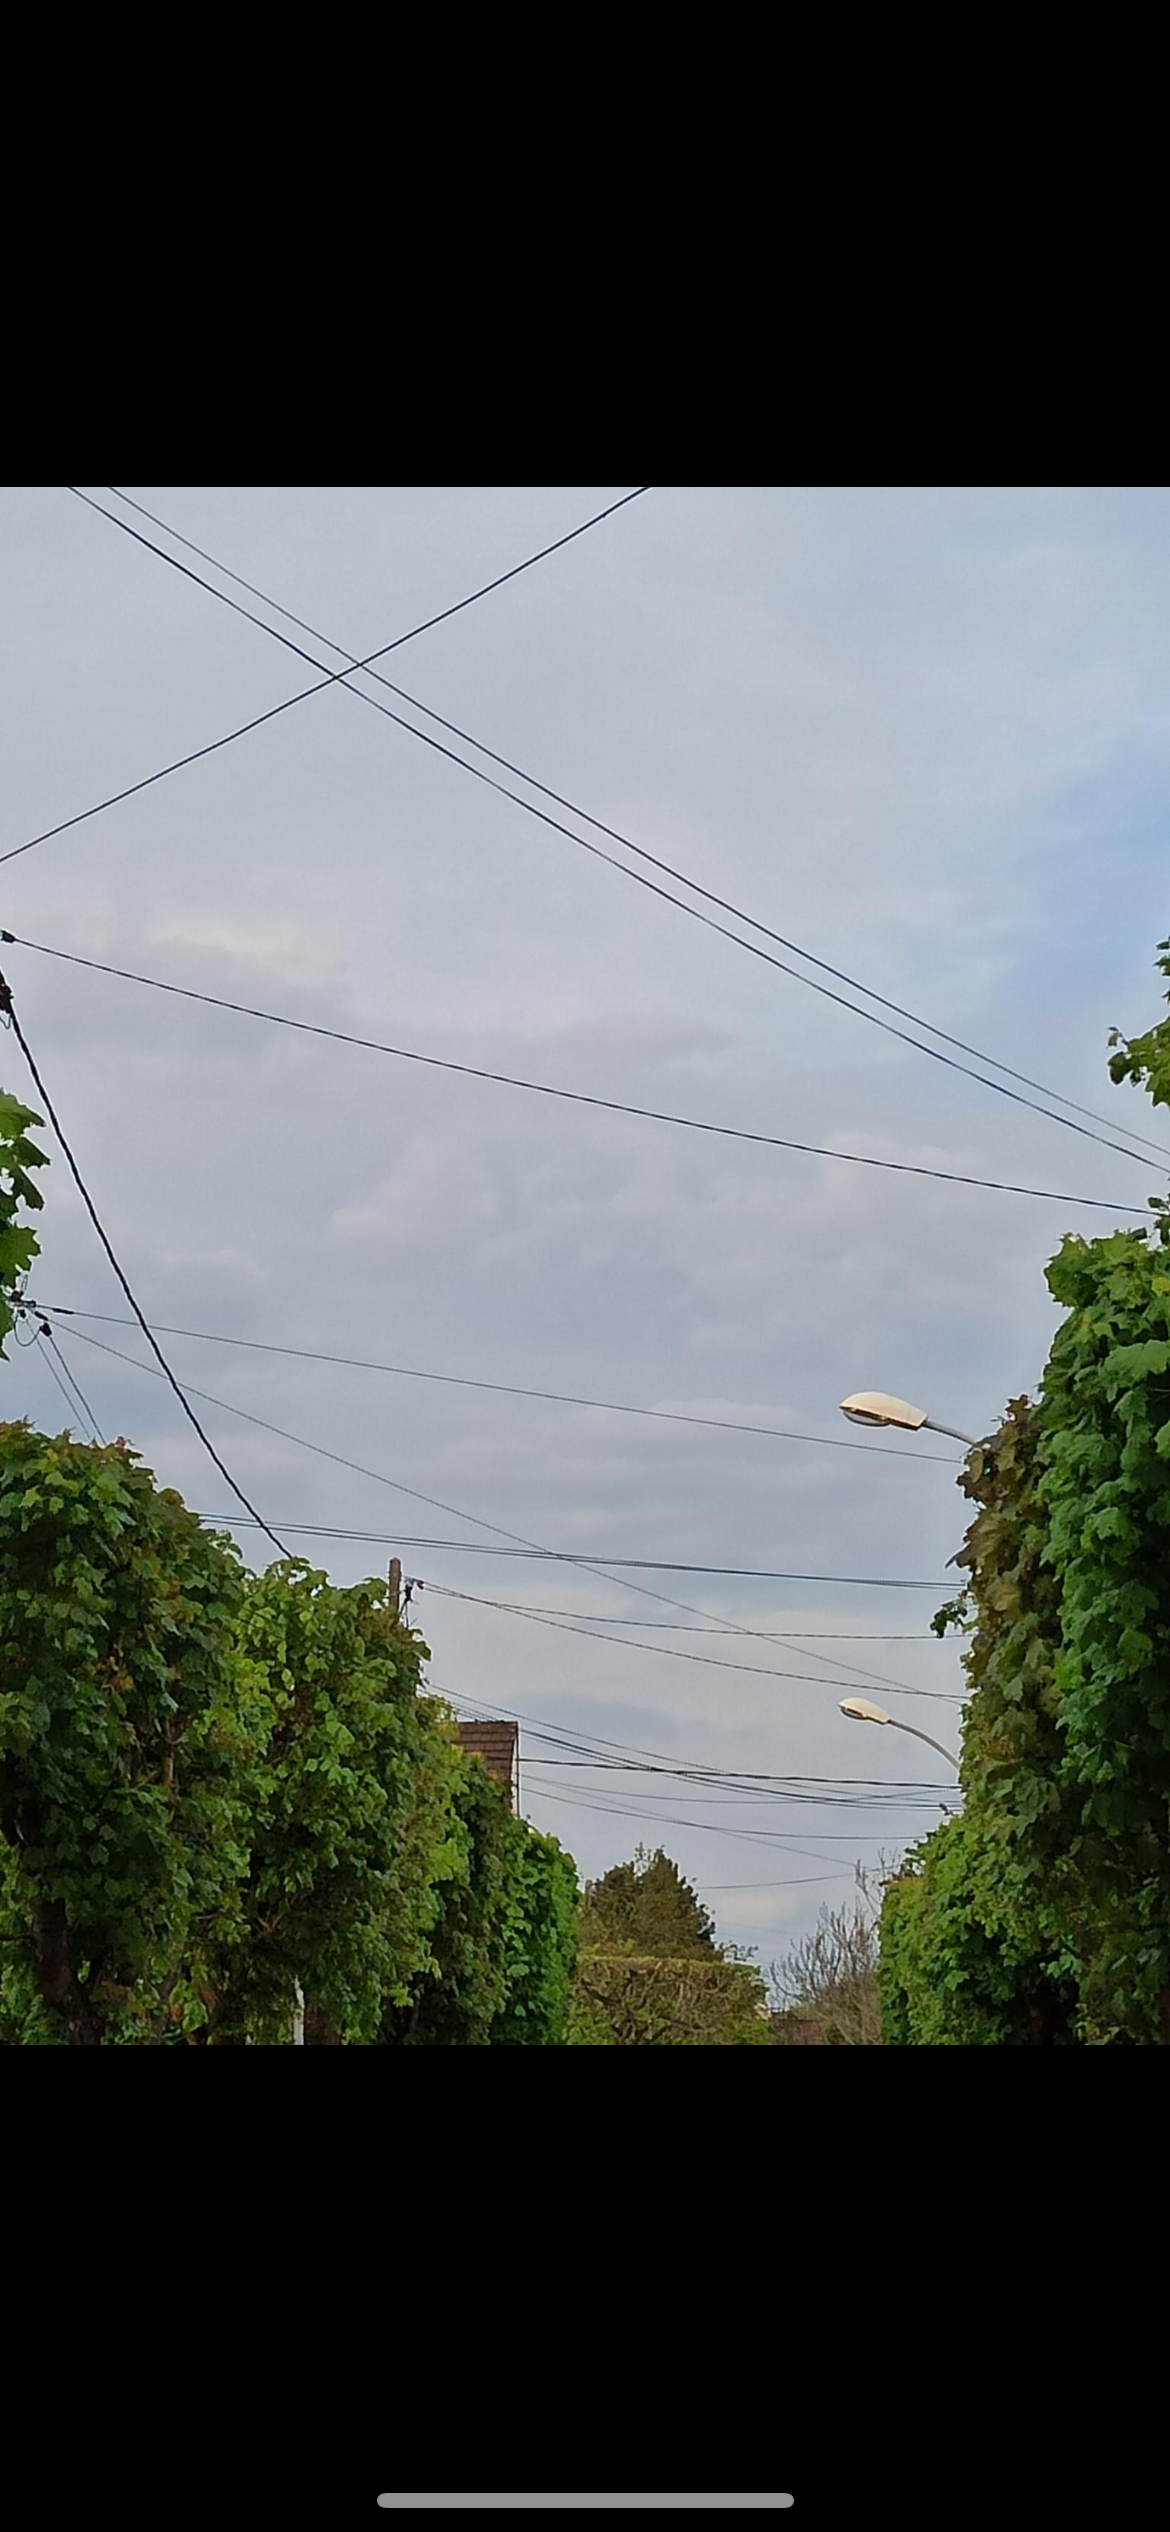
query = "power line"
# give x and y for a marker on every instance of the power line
(59, 1376)
(665, 1626)
(778, 1837)
(714, 1828)
(655, 859)
(560, 1556)
(46, 1335)
(510, 1389)
(737, 1779)
(331, 679)
(783, 1839)
(554, 1555)
(729, 1795)
(766, 1634)
(8, 1007)
(694, 1790)
(546, 1090)
(597, 520)
(687, 1607)
(668, 1652)
(804, 1881)
(299, 1440)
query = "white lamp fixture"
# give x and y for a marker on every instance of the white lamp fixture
(874, 1406)
(859, 1710)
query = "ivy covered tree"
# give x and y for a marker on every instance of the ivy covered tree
(124, 1809)
(223, 1796)
(335, 1898)
(1043, 1914)
(502, 1941)
(539, 1937)
(222, 1793)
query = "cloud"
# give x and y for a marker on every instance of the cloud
(922, 732)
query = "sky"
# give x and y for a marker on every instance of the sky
(924, 734)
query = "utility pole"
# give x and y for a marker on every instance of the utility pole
(395, 1584)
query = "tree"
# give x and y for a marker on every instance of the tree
(335, 1897)
(502, 1939)
(1043, 1915)
(454, 1998)
(622, 1999)
(648, 1904)
(221, 1792)
(649, 1970)
(829, 1979)
(539, 1938)
(121, 1806)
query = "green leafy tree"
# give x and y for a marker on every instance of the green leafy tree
(650, 1973)
(1145, 1060)
(1043, 1916)
(18, 1243)
(223, 1795)
(502, 1931)
(327, 1682)
(538, 1942)
(122, 1814)
(647, 1904)
(455, 1998)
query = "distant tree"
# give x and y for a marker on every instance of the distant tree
(830, 1977)
(650, 1973)
(650, 1907)
(623, 1999)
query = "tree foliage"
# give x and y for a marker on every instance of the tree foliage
(334, 1899)
(18, 1242)
(1043, 1915)
(217, 1790)
(502, 1942)
(828, 1979)
(539, 1938)
(650, 1972)
(623, 1999)
(122, 1806)
(649, 1905)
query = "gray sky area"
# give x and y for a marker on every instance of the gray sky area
(924, 735)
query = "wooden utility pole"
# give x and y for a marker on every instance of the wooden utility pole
(395, 1584)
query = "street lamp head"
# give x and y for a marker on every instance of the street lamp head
(860, 1710)
(872, 1406)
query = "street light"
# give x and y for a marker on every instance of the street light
(859, 1710)
(872, 1406)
